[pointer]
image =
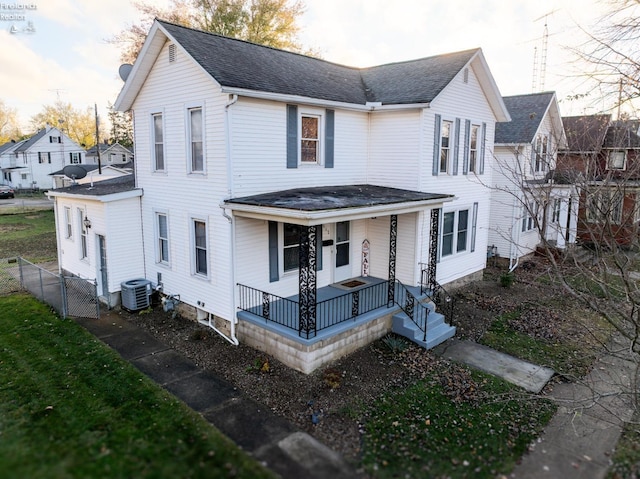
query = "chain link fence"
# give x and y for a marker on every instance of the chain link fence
(68, 296)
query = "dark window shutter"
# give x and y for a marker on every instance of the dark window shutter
(273, 252)
(70, 157)
(436, 146)
(292, 136)
(474, 224)
(456, 147)
(79, 157)
(329, 138)
(483, 144)
(467, 140)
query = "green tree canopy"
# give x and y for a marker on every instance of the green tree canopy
(267, 22)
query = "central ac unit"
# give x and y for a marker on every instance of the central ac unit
(136, 294)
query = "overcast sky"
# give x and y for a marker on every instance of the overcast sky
(58, 48)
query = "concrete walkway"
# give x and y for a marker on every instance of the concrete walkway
(579, 439)
(270, 439)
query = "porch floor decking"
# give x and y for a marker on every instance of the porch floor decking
(332, 301)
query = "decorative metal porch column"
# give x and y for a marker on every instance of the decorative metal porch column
(308, 284)
(433, 249)
(393, 235)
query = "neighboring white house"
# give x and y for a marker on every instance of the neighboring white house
(90, 174)
(29, 163)
(274, 182)
(110, 154)
(525, 185)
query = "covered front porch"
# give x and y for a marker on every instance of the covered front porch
(329, 267)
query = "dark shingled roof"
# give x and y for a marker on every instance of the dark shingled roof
(101, 188)
(622, 135)
(527, 111)
(335, 197)
(585, 133)
(239, 64)
(30, 141)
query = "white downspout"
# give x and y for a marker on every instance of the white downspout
(234, 300)
(514, 258)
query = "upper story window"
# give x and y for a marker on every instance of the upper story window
(445, 146)
(158, 142)
(310, 139)
(473, 149)
(55, 139)
(310, 136)
(196, 150)
(44, 157)
(617, 160)
(541, 154)
(75, 157)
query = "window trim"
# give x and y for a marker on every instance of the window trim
(195, 248)
(68, 221)
(469, 232)
(610, 165)
(446, 149)
(474, 160)
(84, 235)
(597, 217)
(529, 219)
(159, 239)
(189, 138)
(320, 115)
(282, 246)
(154, 143)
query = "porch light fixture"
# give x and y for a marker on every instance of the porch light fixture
(86, 222)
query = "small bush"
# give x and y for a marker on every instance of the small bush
(396, 344)
(506, 279)
(332, 378)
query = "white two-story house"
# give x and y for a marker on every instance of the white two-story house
(28, 164)
(301, 206)
(530, 200)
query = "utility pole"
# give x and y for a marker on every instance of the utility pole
(98, 139)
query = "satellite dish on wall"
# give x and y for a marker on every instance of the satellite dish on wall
(74, 172)
(124, 71)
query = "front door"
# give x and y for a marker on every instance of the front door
(104, 284)
(342, 251)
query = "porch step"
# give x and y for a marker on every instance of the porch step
(437, 330)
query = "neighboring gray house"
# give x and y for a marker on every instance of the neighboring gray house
(110, 154)
(526, 192)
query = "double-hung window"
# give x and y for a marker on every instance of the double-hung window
(76, 158)
(195, 140)
(616, 160)
(83, 235)
(310, 139)
(529, 216)
(445, 146)
(67, 222)
(200, 248)
(291, 246)
(473, 149)
(455, 232)
(540, 146)
(605, 206)
(158, 142)
(555, 216)
(163, 238)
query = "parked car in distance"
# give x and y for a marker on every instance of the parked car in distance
(6, 192)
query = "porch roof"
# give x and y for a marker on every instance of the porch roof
(315, 205)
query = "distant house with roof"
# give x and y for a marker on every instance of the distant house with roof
(28, 164)
(88, 173)
(529, 201)
(302, 207)
(110, 154)
(604, 157)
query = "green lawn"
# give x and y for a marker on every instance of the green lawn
(31, 235)
(72, 408)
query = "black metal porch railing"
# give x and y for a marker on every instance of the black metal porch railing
(412, 307)
(445, 302)
(329, 312)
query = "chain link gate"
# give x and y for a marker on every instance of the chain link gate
(81, 298)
